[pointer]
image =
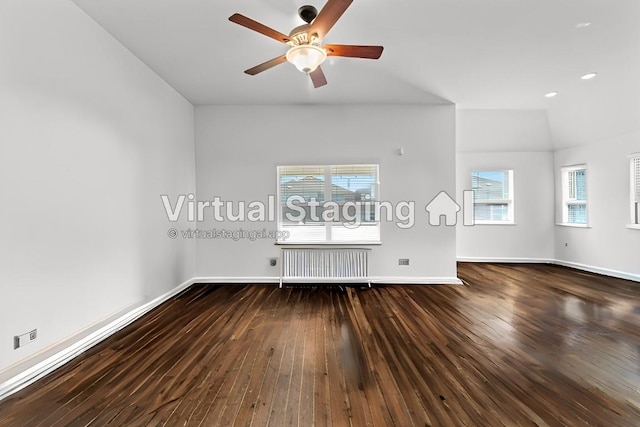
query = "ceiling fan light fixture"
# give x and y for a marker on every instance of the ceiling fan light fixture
(306, 57)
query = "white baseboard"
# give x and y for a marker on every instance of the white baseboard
(599, 270)
(400, 280)
(81, 343)
(239, 280)
(512, 260)
(578, 266)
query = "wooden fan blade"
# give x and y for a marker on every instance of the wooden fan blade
(327, 17)
(258, 27)
(353, 51)
(266, 65)
(318, 78)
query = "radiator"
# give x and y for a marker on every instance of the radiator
(324, 265)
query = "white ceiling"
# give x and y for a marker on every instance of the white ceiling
(478, 54)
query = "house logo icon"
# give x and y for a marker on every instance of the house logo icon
(445, 206)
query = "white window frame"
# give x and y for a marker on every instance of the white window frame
(328, 226)
(510, 202)
(634, 193)
(569, 199)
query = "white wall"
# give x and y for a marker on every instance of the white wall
(607, 244)
(518, 140)
(89, 139)
(239, 147)
(502, 131)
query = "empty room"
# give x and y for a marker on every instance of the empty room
(340, 213)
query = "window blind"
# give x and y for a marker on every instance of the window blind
(492, 195)
(574, 194)
(635, 189)
(577, 213)
(333, 203)
(578, 184)
(635, 171)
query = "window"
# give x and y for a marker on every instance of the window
(328, 204)
(493, 196)
(635, 189)
(574, 195)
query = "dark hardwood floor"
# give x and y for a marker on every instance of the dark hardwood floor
(516, 345)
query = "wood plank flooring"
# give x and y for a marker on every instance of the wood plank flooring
(517, 345)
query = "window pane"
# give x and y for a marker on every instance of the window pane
(635, 190)
(635, 168)
(357, 186)
(303, 213)
(304, 181)
(492, 195)
(574, 194)
(354, 183)
(362, 233)
(328, 203)
(489, 185)
(577, 214)
(491, 211)
(307, 233)
(300, 185)
(580, 177)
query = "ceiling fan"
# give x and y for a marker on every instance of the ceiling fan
(306, 50)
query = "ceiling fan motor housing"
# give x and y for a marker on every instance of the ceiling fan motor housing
(308, 13)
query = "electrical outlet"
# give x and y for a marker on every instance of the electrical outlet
(403, 261)
(24, 339)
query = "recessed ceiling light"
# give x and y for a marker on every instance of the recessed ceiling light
(550, 94)
(589, 76)
(583, 25)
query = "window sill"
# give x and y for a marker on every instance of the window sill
(568, 224)
(633, 226)
(312, 244)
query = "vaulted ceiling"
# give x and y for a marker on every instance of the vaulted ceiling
(478, 54)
